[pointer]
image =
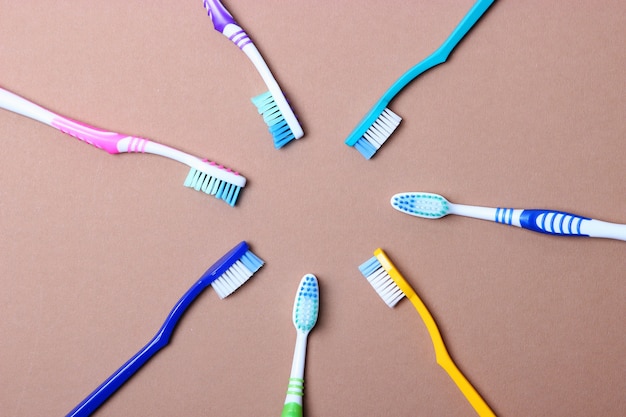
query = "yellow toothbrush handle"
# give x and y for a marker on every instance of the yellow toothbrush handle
(441, 353)
(444, 359)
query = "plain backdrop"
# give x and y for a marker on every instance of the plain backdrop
(96, 249)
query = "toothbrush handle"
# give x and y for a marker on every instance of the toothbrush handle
(111, 142)
(560, 223)
(464, 26)
(117, 379)
(441, 54)
(470, 393)
(219, 15)
(552, 222)
(295, 389)
(224, 23)
(441, 352)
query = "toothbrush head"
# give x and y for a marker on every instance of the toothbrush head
(373, 131)
(232, 270)
(280, 119)
(427, 205)
(306, 304)
(216, 180)
(385, 278)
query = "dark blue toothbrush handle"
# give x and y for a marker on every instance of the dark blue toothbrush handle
(552, 222)
(115, 381)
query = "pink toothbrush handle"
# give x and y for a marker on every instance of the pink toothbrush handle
(109, 141)
(102, 139)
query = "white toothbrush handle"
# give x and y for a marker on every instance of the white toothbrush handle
(13, 102)
(551, 222)
(295, 390)
(240, 38)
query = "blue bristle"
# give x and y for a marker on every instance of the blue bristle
(378, 132)
(277, 126)
(237, 274)
(306, 306)
(369, 266)
(366, 149)
(251, 261)
(378, 277)
(223, 190)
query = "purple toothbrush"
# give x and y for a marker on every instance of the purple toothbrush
(280, 119)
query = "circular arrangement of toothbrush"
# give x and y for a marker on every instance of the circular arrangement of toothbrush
(237, 266)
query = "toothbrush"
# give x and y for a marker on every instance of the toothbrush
(225, 276)
(305, 310)
(377, 125)
(552, 222)
(206, 176)
(277, 114)
(392, 287)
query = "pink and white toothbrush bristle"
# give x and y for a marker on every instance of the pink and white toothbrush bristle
(277, 114)
(205, 176)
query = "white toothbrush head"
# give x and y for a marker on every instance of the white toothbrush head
(427, 205)
(306, 304)
(379, 270)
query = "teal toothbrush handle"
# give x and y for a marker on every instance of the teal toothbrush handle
(443, 52)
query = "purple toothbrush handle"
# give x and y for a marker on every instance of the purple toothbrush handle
(219, 15)
(99, 138)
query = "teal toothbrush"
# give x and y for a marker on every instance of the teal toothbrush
(381, 122)
(305, 310)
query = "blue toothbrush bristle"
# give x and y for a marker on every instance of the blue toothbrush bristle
(376, 135)
(221, 189)
(235, 276)
(276, 123)
(368, 267)
(421, 204)
(306, 307)
(381, 281)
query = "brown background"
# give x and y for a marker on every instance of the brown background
(528, 112)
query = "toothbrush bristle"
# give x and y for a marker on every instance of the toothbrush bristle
(376, 135)
(427, 205)
(306, 307)
(381, 281)
(235, 276)
(274, 119)
(209, 184)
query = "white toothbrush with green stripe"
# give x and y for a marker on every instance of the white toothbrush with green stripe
(552, 222)
(305, 311)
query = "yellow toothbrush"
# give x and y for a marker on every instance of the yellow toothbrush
(391, 287)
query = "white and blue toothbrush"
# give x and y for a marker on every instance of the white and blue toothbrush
(552, 222)
(305, 311)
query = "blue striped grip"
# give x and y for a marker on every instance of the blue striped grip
(552, 222)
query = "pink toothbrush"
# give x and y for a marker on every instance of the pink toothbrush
(206, 176)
